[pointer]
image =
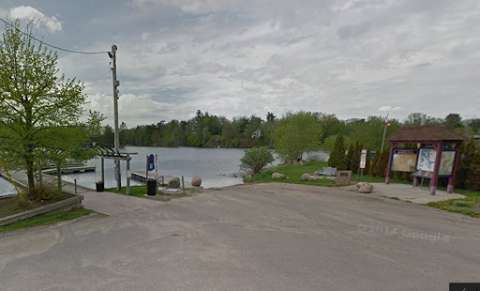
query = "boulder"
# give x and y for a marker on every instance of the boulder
(363, 187)
(174, 183)
(196, 181)
(278, 176)
(305, 177)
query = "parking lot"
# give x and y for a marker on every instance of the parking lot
(249, 237)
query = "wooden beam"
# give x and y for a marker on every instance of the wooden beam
(438, 159)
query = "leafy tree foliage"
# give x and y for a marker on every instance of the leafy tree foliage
(416, 119)
(204, 130)
(255, 159)
(34, 97)
(472, 180)
(453, 120)
(379, 165)
(296, 134)
(468, 154)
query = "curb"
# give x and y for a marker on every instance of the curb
(67, 204)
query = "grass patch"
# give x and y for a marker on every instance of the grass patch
(470, 205)
(293, 173)
(137, 191)
(46, 219)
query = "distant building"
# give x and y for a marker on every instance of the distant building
(257, 134)
(353, 120)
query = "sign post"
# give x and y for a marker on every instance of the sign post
(363, 161)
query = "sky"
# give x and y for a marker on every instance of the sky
(352, 58)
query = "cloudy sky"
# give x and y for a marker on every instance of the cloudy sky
(243, 57)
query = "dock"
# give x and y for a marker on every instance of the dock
(140, 177)
(70, 170)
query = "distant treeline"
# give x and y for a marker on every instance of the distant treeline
(206, 130)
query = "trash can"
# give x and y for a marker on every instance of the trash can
(100, 186)
(151, 187)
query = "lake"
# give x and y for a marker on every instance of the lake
(6, 188)
(216, 167)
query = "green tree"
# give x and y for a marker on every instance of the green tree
(355, 162)
(270, 117)
(255, 159)
(474, 124)
(337, 156)
(468, 152)
(296, 134)
(349, 157)
(34, 97)
(67, 143)
(380, 163)
(331, 126)
(453, 120)
(472, 180)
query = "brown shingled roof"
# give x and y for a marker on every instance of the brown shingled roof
(425, 133)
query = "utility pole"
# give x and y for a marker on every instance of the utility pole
(385, 126)
(116, 139)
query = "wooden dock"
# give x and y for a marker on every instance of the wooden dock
(70, 170)
(140, 177)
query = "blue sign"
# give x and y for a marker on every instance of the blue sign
(150, 162)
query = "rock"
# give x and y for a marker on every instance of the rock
(363, 187)
(174, 183)
(196, 181)
(305, 177)
(278, 176)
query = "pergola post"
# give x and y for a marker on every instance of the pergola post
(102, 165)
(456, 165)
(390, 162)
(128, 175)
(436, 168)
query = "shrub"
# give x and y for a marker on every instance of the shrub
(48, 193)
(255, 159)
(23, 201)
(337, 156)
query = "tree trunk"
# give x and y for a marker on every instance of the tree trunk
(31, 179)
(59, 178)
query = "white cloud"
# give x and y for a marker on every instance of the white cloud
(188, 6)
(234, 58)
(388, 108)
(37, 17)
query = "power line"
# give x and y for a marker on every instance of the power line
(51, 45)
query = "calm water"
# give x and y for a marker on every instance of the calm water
(217, 167)
(6, 188)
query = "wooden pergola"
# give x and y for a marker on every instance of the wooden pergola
(105, 152)
(437, 138)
